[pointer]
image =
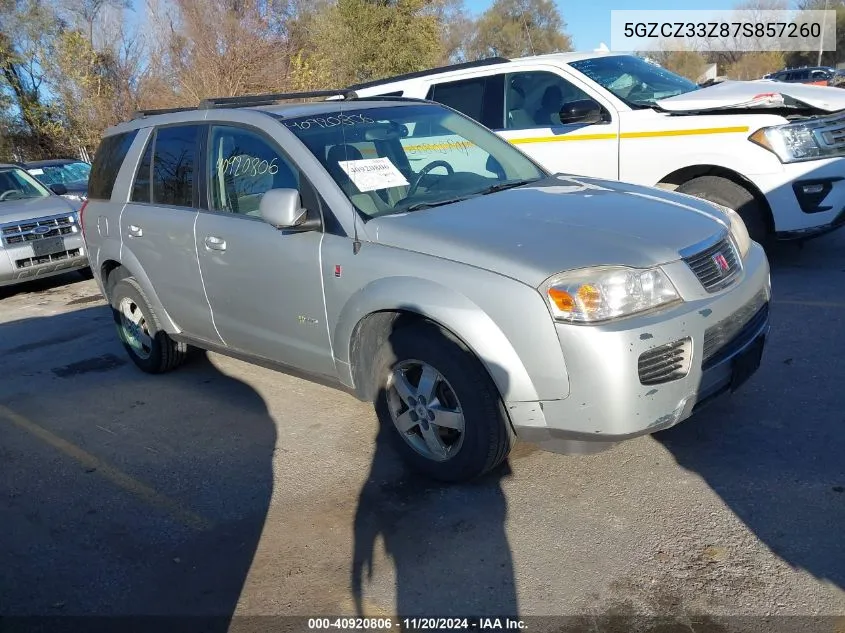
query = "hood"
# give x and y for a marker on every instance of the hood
(19, 210)
(560, 223)
(757, 95)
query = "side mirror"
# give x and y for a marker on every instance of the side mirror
(282, 208)
(584, 111)
(59, 189)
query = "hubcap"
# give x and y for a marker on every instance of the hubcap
(425, 410)
(133, 327)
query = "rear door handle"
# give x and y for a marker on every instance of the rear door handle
(215, 243)
(135, 231)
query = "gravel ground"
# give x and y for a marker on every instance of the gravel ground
(224, 488)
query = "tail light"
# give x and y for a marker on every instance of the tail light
(81, 221)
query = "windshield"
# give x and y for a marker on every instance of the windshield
(16, 184)
(397, 158)
(62, 174)
(637, 82)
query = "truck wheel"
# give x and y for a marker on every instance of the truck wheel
(149, 347)
(729, 194)
(439, 405)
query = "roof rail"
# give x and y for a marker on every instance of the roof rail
(140, 114)
(267, 99)
(431, 71)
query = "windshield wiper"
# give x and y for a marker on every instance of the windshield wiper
(506, 185)
(437, 203)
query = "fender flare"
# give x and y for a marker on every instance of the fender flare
(448, 308)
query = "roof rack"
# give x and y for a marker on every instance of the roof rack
(140, 114)
(431, 71)
(268, 99)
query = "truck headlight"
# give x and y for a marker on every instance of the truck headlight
(593, 295)
(796, 142)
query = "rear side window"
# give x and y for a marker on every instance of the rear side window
(174, 161)
(480, 98)
(141, 186)
(107, 161)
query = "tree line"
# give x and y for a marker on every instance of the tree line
(71, 68)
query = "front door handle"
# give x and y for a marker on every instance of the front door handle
(135, 231)
(215, 243)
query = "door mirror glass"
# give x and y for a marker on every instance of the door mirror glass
(282, 208)
(59, 189)
(584, 111)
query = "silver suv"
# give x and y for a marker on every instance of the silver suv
(39, 230)
(400, 250)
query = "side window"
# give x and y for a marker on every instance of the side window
(141, 186)
(480, 98)
(107, 161)
(173, 165)
(534, 99)
(242, 166)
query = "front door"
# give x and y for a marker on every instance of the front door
(533, 101)
(264, 285)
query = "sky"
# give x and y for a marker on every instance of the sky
(588, 21)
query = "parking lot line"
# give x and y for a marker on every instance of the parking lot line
(117, 477)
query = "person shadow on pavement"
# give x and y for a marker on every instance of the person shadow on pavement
(151, 492)
(447, 542)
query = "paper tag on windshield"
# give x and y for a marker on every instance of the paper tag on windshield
(36, 172)
(370, 174)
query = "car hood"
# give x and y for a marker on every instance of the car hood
(560, 223)
(18, 210)
(756, 95)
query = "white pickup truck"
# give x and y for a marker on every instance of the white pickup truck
(774, 152)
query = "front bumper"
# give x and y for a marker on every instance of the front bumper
(722, 335)
(28, 250)
(795, 216)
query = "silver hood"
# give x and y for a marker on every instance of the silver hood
(756, 95)
(563, 222)
(31, 208)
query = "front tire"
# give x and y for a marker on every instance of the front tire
(439, 405)
(730, 194)
(140, 332)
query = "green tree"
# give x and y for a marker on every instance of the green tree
(361, 40)
(516, 28)
(28, 29)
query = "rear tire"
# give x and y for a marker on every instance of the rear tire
(730, 194)
(139, 330)
(464, 389)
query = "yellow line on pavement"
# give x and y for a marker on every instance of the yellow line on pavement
(112, 474)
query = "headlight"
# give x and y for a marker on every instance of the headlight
(739, 232)
(592, 295)
(796, 142)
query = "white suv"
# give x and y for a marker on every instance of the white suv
(773, 152)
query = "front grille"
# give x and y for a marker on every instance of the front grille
(717, 266)
(30, 230)
(665, 363)
(831, 136)
(28, 262)
(723, 332)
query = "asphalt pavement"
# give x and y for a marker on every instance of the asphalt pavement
(226, 489)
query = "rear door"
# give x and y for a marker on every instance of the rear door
(157, 225)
